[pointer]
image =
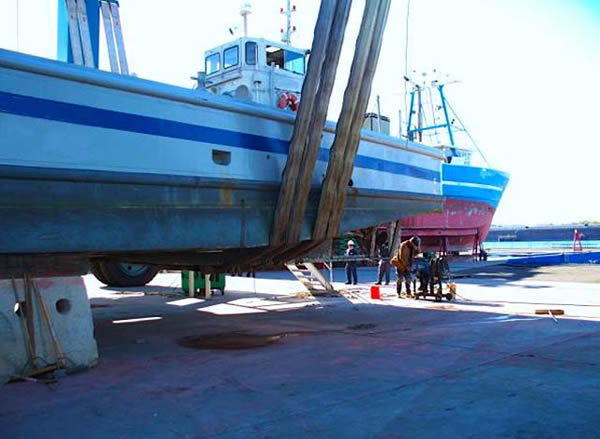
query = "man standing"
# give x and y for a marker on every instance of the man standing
(384, 264)
(403, 261)
(351, 275)
(577, 241)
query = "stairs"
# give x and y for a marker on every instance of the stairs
(311, 278)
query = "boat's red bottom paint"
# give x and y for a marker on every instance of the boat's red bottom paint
(456, 228)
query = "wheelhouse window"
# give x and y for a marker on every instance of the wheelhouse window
(286, 59)
(251, 53)
(212, 63)
(231, 57)
(294, 62)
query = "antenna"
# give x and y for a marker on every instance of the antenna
(286, 35)
(245, 10)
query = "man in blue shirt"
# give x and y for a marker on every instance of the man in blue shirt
(384, 264)
(351, 275)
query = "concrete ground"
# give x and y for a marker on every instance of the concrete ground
(264, 361)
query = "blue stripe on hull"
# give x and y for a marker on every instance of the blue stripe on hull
(483, 195)
(468, 177)
(474, 174)
(90, 116)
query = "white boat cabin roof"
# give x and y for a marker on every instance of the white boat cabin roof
(255, 69)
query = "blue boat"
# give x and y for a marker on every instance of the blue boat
(94, 164)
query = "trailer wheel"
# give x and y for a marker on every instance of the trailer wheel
(96, 269)
(123, 274)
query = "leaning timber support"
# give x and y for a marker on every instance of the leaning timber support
(396, 238)
(373, 244)
(302, 126)
(347, 137)
(311, 152)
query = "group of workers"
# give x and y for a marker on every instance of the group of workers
(402, 260)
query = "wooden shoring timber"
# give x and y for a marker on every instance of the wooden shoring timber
(396, 238)
(373, 243)
(311, 152)
(331, 184)
(363, 102)
(287, 192)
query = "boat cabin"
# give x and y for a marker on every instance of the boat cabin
(255, 69)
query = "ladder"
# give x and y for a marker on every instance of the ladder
(114, 36)
(79, 33)
(310, 277)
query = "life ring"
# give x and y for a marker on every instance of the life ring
(288, 100)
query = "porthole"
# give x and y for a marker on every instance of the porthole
(222, 158)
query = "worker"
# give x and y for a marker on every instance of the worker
(351, 274)
(403, 261)
(384, 264)
(577, 240)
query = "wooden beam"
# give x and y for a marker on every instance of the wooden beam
(373, 242)
(396, 238)
(361, 108)
(332, 182)
(302, 125)
(311, 153)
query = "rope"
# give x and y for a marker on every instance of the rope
(467, 132)
(406, 60)
(17, 1)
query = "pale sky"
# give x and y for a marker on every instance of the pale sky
(528, 72)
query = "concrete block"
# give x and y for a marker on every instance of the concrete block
(71, 317)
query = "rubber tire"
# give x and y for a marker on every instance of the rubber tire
(111, 274)
(96, 269)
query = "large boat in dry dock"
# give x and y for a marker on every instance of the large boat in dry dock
(95, 164)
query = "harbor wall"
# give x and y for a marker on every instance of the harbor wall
(557, 259)
(543, 233)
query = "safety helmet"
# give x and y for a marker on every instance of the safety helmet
(351, 243)
(416, 240)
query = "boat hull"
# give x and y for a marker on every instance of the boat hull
(471, 195)
(99, 164)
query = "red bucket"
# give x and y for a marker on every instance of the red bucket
(375, 294)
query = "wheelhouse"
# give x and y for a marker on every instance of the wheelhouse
(254, 69)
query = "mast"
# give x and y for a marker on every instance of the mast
(419, 115)
(245, 10)
(286, 35)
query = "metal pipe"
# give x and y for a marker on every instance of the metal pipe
(441, 90)
(399, 124)
(410, 113)
(378, 115)
(207, 289)
(191, 278)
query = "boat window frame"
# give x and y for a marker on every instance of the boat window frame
(254, 52)
(212, 55)
(300, 56)
(237, 56)
(283, 61)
